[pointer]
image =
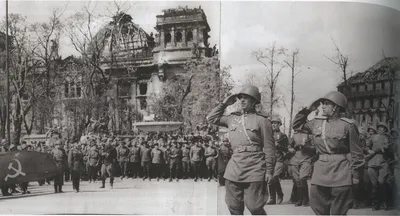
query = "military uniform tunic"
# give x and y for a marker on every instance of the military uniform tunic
(252, 142)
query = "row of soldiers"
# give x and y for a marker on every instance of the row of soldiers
(174, 158)
(381, 152)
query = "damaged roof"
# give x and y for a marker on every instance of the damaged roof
(378, 72)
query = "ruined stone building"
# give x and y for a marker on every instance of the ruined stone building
(373, 96)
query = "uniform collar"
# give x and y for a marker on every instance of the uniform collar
(250, 111)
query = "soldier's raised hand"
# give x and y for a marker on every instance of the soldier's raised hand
(314, 105)
(229, 100)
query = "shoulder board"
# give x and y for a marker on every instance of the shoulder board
(350, 121)
(265, 115)
(320, 117)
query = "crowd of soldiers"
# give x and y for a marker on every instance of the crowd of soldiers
(161, 156)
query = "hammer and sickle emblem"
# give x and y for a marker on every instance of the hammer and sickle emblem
(17, 171)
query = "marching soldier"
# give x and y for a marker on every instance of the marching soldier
(76, 165)
(378, 167)
(281, 144)
(251, 165)
(60, 157)
(123, 159)
(300, 165)
(157, 159)
(185, 161)
(224, 155)
(175, 160)
(134, 160)
(340, 155)
(196, 157)
(107, 169)
(366, 180)
(211, 155)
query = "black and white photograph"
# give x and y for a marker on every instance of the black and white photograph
(199, 107)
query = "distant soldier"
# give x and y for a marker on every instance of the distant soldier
(366, 179)
(300, 165)
(211, 154)
(175, 156)
(60, 157)
(224, 155)
(108, 167)
(396, 167)
(94, 158)
(378, 166)
(281, 144)
(145, 153)
(251, 165)
(196, 157)
(340, 155)
(134, 160)
(157, 159)
(76, 165)
(185, 161)
(123, 159)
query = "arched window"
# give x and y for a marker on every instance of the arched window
(178, 37)
(168, 38)
(189, 36)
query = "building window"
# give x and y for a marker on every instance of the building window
(371, 103)
(358, 104)
(370, 87)
(123, 89)
(189, 36)
(351, 106)
(143, 88)
(168, 38)
(366, 104)
(353, 88)
(72, 89)
(376, 103)
(378, 86)
(362, 88)
(178, 37)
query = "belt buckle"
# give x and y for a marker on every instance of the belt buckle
(241, 149)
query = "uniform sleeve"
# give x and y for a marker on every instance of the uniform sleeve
(216, 116)
(300, 121)
(70, 159)
(268, 145)
(356, 151)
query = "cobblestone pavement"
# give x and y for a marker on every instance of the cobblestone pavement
(135, 196)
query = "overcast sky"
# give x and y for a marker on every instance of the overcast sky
(360, 30)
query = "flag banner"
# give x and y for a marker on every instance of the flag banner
(26, 166)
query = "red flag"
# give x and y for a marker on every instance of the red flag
(26, 166)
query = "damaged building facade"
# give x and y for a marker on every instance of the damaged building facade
(373, 95)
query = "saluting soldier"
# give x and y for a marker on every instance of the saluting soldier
(94, 158)
(251, 165)
(224, 155)
(378, 166)
(340, 155)
(145, 153)
(300, 165)
(281, 144)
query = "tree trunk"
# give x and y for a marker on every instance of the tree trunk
(17, 122)
(3, 121)
(292, 97)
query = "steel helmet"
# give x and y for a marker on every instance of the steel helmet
(251, 91)
(384, 125)
(371, 127)
(276, 119)
(337, 98)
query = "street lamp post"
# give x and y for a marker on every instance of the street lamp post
(8, 79)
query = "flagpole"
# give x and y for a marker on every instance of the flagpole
(8, 80)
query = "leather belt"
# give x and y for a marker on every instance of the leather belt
(248, 148)
(333, 157)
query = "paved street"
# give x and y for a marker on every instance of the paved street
(137, 197)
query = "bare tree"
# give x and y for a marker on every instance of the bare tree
(292, 98)
(342, 61)
(269, 59)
